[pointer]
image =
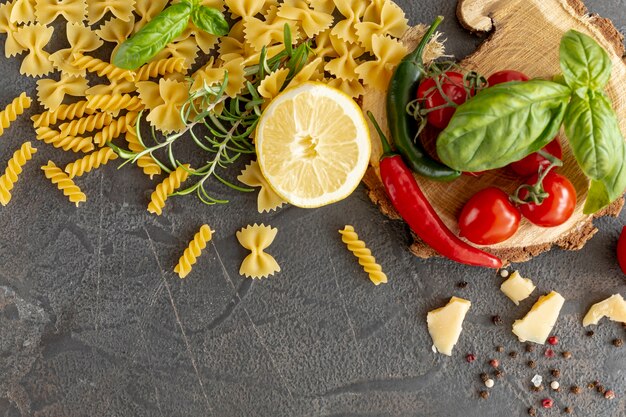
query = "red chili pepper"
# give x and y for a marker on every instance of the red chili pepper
(621, 250)
(411, 203)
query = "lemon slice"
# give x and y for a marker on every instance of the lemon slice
(313, 145)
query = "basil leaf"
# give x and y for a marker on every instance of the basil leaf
(593, 132)
(153, 37)
(605, 191)
(585, 64)
(503, 124)
(210, 20)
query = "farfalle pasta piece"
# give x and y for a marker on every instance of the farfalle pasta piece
(388, 52)
(166, 117)
(116, 30)
(204, 40)
(366, 260)
(11, 46)
(81, 39)
(256, 239)
(187, 49)
(245, 8)
(63, 112)
(344, 66)
(149, 94)
(67, 143)
(208, 75)
(272, 84)
(161, 67)
(323, 46)
(267, 200)
(12, 110)
(89, 162)
(122, 9)
(310, 72)
(236, 76)
(51, 93)
(382, 17)
(193, 251)
(103, 69)
(46, 11)
(147, 9)
(13, 170)
(23, 11)
(312, 21)
(113, 88)
(34, 37)
(353, 88)
(114, 103)
(64, 183)
(167, 187)
(149, 166)
(263, 33)
(352, 11)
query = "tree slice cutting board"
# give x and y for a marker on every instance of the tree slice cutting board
(524, 35)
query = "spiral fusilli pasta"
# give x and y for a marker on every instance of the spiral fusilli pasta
(114, 102)
(13, 170)
(115, 129)
(193, 251)
(103, 69)
(14, 109)
(92, 161)
(167, 187)
(366, 260)
(86, 124)
(161, 67)
(64, 183)
(63, 112)
(145, 162)
(67, 143)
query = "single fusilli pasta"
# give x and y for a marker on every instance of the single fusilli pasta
(115, 129)
(89, 162)
(161, 67)
(64, 183)
(185, 263)
(13, 170)
(103, 69)
(167, 187)
(366, 260)
(67, 143)
(114, 102)
(145, 162)
(86, 124)
(64, 112)
(14, 109)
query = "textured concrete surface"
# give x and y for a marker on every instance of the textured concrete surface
(94, 323)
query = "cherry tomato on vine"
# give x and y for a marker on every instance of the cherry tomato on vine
(530, 164)
(489, 217)
(453, 86)
(555, 209)
(506, 76)
(621, 250)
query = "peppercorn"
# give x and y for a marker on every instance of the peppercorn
(553, 340)
(504, 273)
(462, 284)
(547, 403)
(590, 333)
(532, 411)
(618, 342)
(498, 374)
(568, 410)
(494, 363)
(591, 385)
(567, 354)
(484, 377)
(500, 349)
(484, 395)
(470, 357)
(600, 389)
(575, 389)
(496, 320)
(555, 373)
(532, 364)
(513, 354)
(609, 394)
(549, 353)
(538, 388)
(530, 348)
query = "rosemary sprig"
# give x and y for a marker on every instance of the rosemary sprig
(227, 123)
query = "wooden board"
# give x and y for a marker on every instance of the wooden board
(524, 35)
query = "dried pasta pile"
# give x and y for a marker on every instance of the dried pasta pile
(353, 43)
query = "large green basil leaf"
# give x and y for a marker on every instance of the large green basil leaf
(585, 64)
(210, 20)
(503, 124)
(603, 192)
(593, 132)
(153, 37)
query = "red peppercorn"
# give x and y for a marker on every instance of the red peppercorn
(553, 340)
(494, 362)
(609, 394)
(549, 353)
(470, 357)
(547, 403)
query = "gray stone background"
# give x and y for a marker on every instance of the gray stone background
(94, 323)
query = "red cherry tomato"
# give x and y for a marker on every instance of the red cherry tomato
(452, 85)
(506, 76)
(555, 209)
(489, 217)
(621, 250)
(530, 164)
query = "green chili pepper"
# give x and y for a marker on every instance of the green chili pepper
(404, 128)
